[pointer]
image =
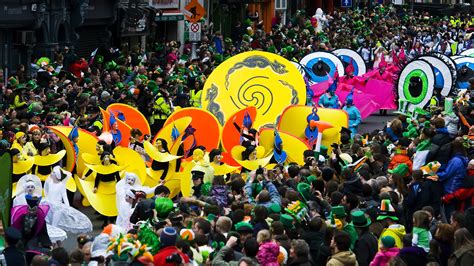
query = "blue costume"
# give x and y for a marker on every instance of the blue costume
(330, 102)
(117, 135)
(353, 113)
(72, 135)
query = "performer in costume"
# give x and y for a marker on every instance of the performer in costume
(349, 78)
(279, 155)
(30, 220)
(74, 138)
(126, 206)
(250, 157)
(330, 99)
(20, 167)
(19, 144)
(45, 161)
(114, 130)
(32, 146)
(248, 135)
(106, 171)
(220, 168)
(30, 217)
(353, 113)
(55, 186)
(135, 143)
(61, 214)
(382, 74)
(161, 158)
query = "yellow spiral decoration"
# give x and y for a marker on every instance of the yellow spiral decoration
(264, 80)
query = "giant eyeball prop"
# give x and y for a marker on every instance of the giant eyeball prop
(349, 56)
(319, 65)
(465, 70)
(416, 84)
(443, 73)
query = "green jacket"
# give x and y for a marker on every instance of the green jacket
(349, 228)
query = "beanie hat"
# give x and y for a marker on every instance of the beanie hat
(388, 241)
(104, 95)
(168, 237)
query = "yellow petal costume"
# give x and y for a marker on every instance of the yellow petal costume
(104, 200)
(48, 160)
(292, 145)
(23, 166)
(156, 155)
(251, 165)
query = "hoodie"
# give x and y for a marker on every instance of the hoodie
(397, 231)
(383, 257)
(453, 175)
(344, 258)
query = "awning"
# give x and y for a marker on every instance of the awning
(169, 15)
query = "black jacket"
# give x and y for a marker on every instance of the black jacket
(430, 195)
(365, 248)
(14, 256)
(440, 148)
(143, 211)
(315, 241)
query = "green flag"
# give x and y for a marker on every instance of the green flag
(6, 171)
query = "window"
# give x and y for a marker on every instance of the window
(280, 4)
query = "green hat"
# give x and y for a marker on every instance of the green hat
(386, 210)
(359, 219)
(274, 208)
(323, 150)
(305, 190)
(388, 241)
(211, 217)
(152, 85)
(99, 59)
(338, 212)
(311, 178)
(87, 80)
(142, 77)
(163, 207)
(32, 84)
(12, 82)
(120, 85)
(244, 227)
(287, 220)
(401, 169)
(111, 65)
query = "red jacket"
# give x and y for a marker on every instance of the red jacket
(460, 197)
(160, 258)
(78, 66)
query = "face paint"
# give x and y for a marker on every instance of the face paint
(130, 180)
(30, 188)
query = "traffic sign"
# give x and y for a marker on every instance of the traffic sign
(346, 3)
(195, 11)
(195, 32)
